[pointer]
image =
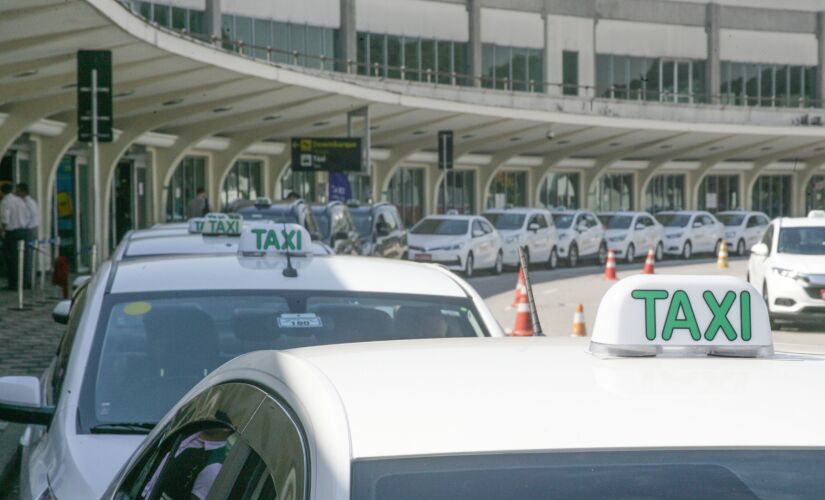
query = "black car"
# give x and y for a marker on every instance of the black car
(289, 212)
(337, 228)
(381, 229)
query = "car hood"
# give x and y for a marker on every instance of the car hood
(505, 233)
(90, 463)
(428, 241)
(809, 264)
(616, 232)
(671, 230)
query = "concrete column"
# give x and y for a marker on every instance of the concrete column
(713, 68)
(549, 76)
(348, 34)
(474, 20)
(820, 60)
(214, 23)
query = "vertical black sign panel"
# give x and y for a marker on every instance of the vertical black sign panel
(445, 149)
(87, 62)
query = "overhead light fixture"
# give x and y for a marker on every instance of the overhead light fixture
(563, 141)
(514, 139)
(820, 148)
(270, 118)
(665, 146)
(172, 102)
(25, 74)
(222, 109)
(467, 136)
(614, 144)
(320, 124)
(125, 93)
(375, 127)
(766, 148)
(419, 132)
(714, 148)
(69, 86)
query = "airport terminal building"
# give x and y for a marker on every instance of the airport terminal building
(599, 104)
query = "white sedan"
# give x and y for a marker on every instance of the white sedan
(434, 419)
(581, 236)
(743, 229)
(531, 228)
(460, 242)
(688, 232)
(632, 234)
(144, 331)
(788, 267)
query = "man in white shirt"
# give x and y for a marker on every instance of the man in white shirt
(14, 217)
(33, 212)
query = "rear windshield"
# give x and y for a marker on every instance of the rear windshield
(741, 474)
(731, 219)
(441, 227)
(563, 221)
(363, 222)
(151, 348)
(283, 217)
(673, 220)
(322, 219)
(802, 240)
(506, 221)
(619, 222)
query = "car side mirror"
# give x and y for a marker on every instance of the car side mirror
(478, 233)
(20, 401)
(697, 224)
(533, 227)
(60, 313)
(639, 227)
(760, 249)
(581, 227)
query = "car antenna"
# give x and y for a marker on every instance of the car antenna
(289, 271)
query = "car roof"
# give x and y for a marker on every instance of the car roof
(457, 217)
(233, 272)
(514, 210)
(178, 244)
(447, 396)
(801, 222)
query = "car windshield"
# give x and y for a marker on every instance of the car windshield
(363, 222)
(619, 222)
(605, 219)
(750, 474)
(322, 219)
(563, 221)
(441, 227)
(506, 221)
(673, 220)
(731, 219)
(802, 240)
(150, 349)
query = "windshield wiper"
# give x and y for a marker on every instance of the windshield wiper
(123, 428)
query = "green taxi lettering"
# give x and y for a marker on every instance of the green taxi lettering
(199, 226)
(680, 302)
(650, 297)
(720, 315)
(268, 238)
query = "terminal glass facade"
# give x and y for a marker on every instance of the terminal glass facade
(560, 190)
(512, 68)
(412, 58)
(650, 79)
(301, 183)
(460, 192)
(406, 192)
(178, 18)
(815, 194)
(292, 43)
(772, 195)
(665, 192)
(612, 192)
(718, 193)
(188, 177)
(243, 182)
(772, 85)
(508, 189)
(570, 72)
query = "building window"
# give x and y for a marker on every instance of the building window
(815, 194)
(411, 58)
(665, 192)
(718, 193)
(512, 68)
(570, 72)
(508, 189)
(300, 183)
(406, 192)
(612, 192)
(650, 79)
(772, 195)
(560, 191)
(243, 182)
(461, 193)
(771, 85)
(187, 179)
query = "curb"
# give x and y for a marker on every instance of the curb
(9, 451)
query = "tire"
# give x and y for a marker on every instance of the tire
(573, 256)
(774, 324)
(631, 254)
(687, 250)
(468, 266)
(601, 255)
(660, 251)
(499, 265)
(717, 247)
(553, 259)
(740, 248)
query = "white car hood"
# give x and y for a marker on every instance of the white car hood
(90, 463)
(616, 232)
(672, 230)
(809, 264)
(429, 241)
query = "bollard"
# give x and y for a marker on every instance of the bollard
(41, 268)
(94, 258)
(33, 270)
(21, 254)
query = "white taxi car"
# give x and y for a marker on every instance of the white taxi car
(144, 331)
(680, 394)
(531, 228)
(632, 234)
(688, 232)
(788, 266)
(743, 229)
(581, 235)
(460, 242)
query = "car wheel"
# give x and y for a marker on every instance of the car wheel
(602, 253)
(631, 254)
(740, 248)
(553, 260)
(499, 265)
(660, 251)
(774, 324)
(687, 250)
(573, 256)
(468, 266)
(717, 247)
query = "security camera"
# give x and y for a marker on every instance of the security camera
(551, 135)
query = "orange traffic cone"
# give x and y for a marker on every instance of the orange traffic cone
(524, 323)
(650, 262)
(521, 288)
(579, 328)
(722, 258)
(610, 267)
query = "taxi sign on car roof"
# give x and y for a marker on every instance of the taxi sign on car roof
(266, 238)
(647, 315)
(216, 224)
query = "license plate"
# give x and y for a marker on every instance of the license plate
(822, 293)
(424, 257)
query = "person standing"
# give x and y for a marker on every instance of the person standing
(33, 212)
(14, 218)
(199, 205)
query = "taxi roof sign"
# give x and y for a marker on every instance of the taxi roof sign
(266, 238)
(216, 224)
(645, 315)
(196, 225)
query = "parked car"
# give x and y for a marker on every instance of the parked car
(337, 227)
(381, 229)
(288, 212)
(688, 232)
(631, 234)
(531, 228)
(743, 229)
(581, 236)
(461, 242)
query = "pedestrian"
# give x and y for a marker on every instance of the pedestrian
(292, 196)
(199, 206)
(33, 212)
(14, 217)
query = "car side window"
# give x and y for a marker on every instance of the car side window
(390, 221)
(707, 220)
(540, 220)
(763, 221)
(338, 223)
(486, 227)
(65, 346)
(590, 221)
(753, 221)
(254, 481)
(697, 219)
(767, 238)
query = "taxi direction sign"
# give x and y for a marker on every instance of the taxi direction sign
(445, 149)
(94, 95)
(642, 315)
(260, 239)
(330, 154)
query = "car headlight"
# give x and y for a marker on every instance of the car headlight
(730, 235)
(563, 236)
(672, 236)
(616, 239)
(447, 248)
(802, 278)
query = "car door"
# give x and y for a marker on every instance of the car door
(697, 233)
(480, 244)
(534, 238)
(490, 237)
(638, 233)
(544, 237)
(757, 264)
(593, 233)
(716, 231)
(753, 230)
